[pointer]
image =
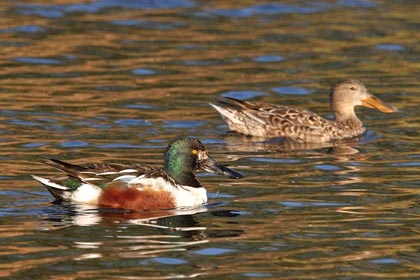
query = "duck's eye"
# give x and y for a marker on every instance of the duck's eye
(352, 88)
(194, 152)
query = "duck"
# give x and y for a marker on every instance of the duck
(139, 187)
(302, 126)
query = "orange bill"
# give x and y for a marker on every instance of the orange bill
(374, 102)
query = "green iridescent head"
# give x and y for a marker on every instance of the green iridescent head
(186, 155)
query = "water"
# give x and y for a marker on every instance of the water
(115, 81)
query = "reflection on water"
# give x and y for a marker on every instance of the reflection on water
(242, 143)
(115, 81)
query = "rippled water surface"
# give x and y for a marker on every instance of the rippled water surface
(115, 81)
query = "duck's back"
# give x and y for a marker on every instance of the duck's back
(268, 121)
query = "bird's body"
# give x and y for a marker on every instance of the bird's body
(293, 124)
(138, 186)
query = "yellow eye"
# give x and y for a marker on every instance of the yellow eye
(194, 152)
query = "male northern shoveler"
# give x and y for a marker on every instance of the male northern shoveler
(138, 186)
(269, 121)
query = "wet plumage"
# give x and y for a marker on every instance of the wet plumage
(293, 124)
(138, 186)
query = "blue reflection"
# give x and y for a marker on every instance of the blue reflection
(23, 122)
(132, 122)
(203, 62)
(170, 261)
(243, 94)
(390, 47)
(34, 145)
(57, 11)
(292, 90)
(144, 71)
(385, 261)
(121, 146)
(148, 24)
(268, 58)
(296, 204)
(38, 60)
(214, 251)
(357, 3)
(270, 9)
(140, 106)
(406, 164)
(24, 29)
(327, 167)
(74, 144)
(183, 124)
(128, 22)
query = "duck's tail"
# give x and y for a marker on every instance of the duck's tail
(58, 190)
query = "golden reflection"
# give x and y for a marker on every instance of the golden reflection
(242, 143)
(351, 203)
(320, 244)
(11, 268)
(340, 156)
(176, 232)
(86, 215)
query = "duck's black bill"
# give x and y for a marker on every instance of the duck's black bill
(210, 165)
(230, 173)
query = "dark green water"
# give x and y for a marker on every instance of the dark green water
(115, 81)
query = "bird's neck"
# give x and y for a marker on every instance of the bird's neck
(176, 168)
(187, 178)
(347, 118)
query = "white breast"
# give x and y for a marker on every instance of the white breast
(184, 196)
(187, 196)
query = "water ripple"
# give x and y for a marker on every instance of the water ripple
(268, 58)
(390, 47)
(116, 81)
(270, 9)
(38, 60)
(24, 29)
(58, 11)
(243, 94)
(292, 90)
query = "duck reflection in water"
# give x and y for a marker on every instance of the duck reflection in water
(174, 220)
(137, 234)
(339, 158)
(278, 147)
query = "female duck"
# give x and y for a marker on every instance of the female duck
(302, 126)
(137, 186)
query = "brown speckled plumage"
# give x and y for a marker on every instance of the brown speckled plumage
(269, 121)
